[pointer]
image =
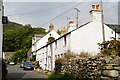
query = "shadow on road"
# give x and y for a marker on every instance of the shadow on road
(15, 75)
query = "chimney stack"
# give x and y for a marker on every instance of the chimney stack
(72, 25)
(93, 6)
(63, 31)
(51, 27)
(96, 13)
(97, 6)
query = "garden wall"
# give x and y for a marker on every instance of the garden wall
(97, 68)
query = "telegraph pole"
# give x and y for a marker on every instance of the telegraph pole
(102, 21)
(1, 37)
(77, 15)
(1, 27)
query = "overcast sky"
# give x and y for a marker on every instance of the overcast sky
(41, 14)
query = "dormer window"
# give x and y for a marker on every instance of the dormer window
(51, 39)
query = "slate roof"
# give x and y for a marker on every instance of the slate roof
(114, 26)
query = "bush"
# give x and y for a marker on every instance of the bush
(20, 55)
(84, 55)
(110, 47)
(58, 65)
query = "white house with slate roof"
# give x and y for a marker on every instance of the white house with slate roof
(84, 38)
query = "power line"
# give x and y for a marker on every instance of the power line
(66, 4)
(60, 15)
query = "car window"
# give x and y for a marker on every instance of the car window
(28, 63)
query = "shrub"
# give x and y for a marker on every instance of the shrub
(110, 47)
(58, 65)
(84, 55)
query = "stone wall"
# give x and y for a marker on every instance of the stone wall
(107, 68)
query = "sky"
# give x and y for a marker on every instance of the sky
(41, 14)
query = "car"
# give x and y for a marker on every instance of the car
(22, 65)
(28, 65)
(11, 63)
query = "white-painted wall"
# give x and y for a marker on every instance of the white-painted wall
(60, 49)
(109, 33)
(61, 46)
(89, 36)
(44, 40)
(119, 36)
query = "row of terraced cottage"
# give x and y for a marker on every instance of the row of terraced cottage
(85, 38)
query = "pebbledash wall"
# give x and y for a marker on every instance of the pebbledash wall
(85, 38)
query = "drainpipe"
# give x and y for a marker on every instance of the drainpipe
(115, 33)
(51, 56)
(46, 57)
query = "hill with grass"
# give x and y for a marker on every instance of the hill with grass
(11, 26)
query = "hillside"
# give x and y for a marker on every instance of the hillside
(11, 26)
(17, 36)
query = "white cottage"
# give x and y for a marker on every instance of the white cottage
(84, 38)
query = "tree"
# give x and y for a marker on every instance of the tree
(58, 31)
(19, 40)
(19, 55)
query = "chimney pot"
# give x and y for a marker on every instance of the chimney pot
(93, 6)
(97, 6)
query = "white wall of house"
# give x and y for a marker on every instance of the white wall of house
(109, 33)
(62, 45)
(118, 36)
(89, 36)
(58, 49)
(44, 40)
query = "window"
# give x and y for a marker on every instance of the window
(111, 32)
(55, 56)
(61, 55)
(55, 44)
(65, 41)
(58, 56)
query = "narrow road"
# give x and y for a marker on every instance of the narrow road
(17, 73)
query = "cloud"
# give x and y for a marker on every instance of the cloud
(37, 13)
(59, 0)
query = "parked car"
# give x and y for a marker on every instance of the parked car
(28, 65)
(22, 65)
(12, 63)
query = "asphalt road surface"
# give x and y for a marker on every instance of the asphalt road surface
(17, 73)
